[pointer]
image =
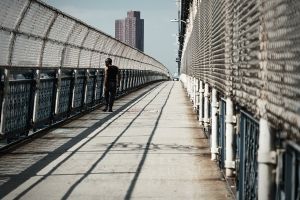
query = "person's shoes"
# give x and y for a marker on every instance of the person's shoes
(105, 109)
(110, 110)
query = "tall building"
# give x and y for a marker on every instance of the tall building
(131, 30)
(120, 29)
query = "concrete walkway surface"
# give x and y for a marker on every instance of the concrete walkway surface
(151, 147)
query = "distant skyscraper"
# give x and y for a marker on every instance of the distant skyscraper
(120, 29)
(131, 30)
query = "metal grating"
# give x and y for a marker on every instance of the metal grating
(46, 96)
(78, 95)
(248, 165)
(64, 97)
(90, 89)
(18, 107)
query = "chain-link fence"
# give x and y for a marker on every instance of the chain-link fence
(248, 50)
(33, 34)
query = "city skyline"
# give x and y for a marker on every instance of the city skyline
(131, 30)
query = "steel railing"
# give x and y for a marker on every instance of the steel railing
(36, 99)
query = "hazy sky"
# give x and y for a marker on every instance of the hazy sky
(160, 40)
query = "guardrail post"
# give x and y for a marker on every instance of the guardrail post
(58, 88)
(75, 74)
(206, 105)
(230, 120)
(87, 76)
(4, 101)
(214, 124)
(188, 85)
(96, 88)
(266, 160)
(194, 93)
(196, 103)
(36, 95)
(191, 88)
(201, 99)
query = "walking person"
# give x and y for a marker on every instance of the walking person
(111, 83)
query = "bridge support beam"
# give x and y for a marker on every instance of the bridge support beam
(266, 161)
(230, 121)
(214, 124)
(201, 99)
(206, 106)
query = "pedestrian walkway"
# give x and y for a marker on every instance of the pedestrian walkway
(151, 147)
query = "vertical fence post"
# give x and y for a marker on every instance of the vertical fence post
(266, 159)
(201, 98)
(75, 73)
(58, 87)
(196, 103)
(214, 124)
(189, 86)
(87, 76)
(230, 120)
(4, 102)
(96, 88)
(195, 90)
(206, 106)
(36, 95)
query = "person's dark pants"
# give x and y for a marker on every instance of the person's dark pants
(110, 94)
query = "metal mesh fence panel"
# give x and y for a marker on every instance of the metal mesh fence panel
(36, 20)
(5, 37)
(26, 51)
(246, 68)
(281, 36)
(249, 50)
(34, 34)
(51, 49)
